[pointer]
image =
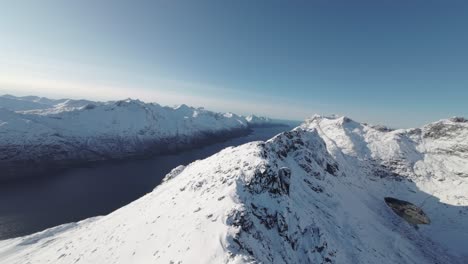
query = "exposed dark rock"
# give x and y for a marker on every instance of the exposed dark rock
(382, 128)
(314, 187)
(89, 106)
(440, 130)
(284, 175)
(241, 219)
(408, 211)
(270, 181)
(332, 169)
(458, 119)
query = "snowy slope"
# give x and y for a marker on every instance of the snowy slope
(434, 158)
(258, 120)
(16, 103)
(81, 130)
(312, 195)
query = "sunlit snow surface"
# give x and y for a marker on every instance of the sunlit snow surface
(54, 132)
(312, 195)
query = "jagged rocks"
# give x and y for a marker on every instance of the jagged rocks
(270, 181)
(443, 129)
(174, 173)
(284, 175)
(332, 169)
(408, 211)
(458, 119)
(239, 218)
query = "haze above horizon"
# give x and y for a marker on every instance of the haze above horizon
(398, 63)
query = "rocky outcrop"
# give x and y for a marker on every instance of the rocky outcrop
(408, 211)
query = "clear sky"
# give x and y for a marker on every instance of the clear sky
(400, 63)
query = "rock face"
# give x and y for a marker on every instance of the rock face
(408, 211)
(310, 195)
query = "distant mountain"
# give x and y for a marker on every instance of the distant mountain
(42, 131)
(18, 104)
(34, 99)
(330, 191)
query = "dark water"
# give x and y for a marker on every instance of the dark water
(80, 193)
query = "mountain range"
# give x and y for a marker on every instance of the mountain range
(46, 133)
(324, 192)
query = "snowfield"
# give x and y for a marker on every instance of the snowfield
(64, 131)
(311, 195)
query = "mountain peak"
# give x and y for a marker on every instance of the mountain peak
(280, 201)
(128, 102)
(257, 119)
(458, 119)
(340, 118)
(316, 194)
(183, 107)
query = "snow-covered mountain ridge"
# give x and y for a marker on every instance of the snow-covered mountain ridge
(24, 103)
(79, 130)
(311, 195)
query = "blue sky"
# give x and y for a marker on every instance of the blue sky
(401, 63)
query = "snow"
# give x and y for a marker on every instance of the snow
(84, 130)
(258, 120)
(311, 195)
(27, 102)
